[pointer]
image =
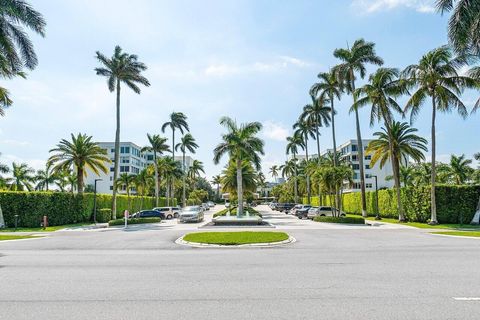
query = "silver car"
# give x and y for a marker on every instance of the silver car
(191, 213)
(323, 211)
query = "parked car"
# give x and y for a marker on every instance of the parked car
(302, 212)
(273, 205)
(285, 207)
(293, 211)
(148, 214)
(323, 211)
(227, 204)
(169, 212)
(211, 204)
(191, 213)
(205, 206)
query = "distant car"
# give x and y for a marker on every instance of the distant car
(148, 214)
(285, 207)
(191, 213)
(205, 206)
(302, 212)
(227, 204)
(323, 211)
(169, 212)
(273, 205)
(211, 204)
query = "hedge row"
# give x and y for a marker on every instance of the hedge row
(348, 220)
(64, 208)
(455, 204)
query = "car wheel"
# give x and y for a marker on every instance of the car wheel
(322, 215)
(342, 215)
(169, 217)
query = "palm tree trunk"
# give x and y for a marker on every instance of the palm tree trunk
(80, 180)
(172, 185)
(433, 218)
(334, 140)
(295, 182)
(117, 155)
(184, 182)
(318, 161)
(239, 188)
(155, 166)
(396, 177)
(306, 173)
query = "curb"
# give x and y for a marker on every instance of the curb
(182, 242)
(452, 236)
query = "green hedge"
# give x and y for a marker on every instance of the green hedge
(121, 222)
(104, 215)
(350, 220)
(224, 212)
(455, 204)
(63, 208)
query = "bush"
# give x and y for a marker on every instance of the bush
(121, 222)
(104, 215)
(224, 212)
(455, 204)
(63, 208)
(350, 220)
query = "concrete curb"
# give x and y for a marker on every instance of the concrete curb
(453, 236)
(182, 242)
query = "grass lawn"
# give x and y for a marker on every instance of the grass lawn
(452, 226)
(10, 237)
(235, 238)
(48, 229)
(460, 233)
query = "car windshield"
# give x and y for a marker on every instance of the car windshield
(190, 208)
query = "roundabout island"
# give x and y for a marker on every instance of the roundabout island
(235, 239)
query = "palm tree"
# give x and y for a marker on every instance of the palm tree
(230, 182)
(293, 143)
(288, 168)
(217, 180)
(195, 169)
(143, 182)
(178, 120)
(186, 143)
(274, 172)
(127, 182)
(329, 88)
(3, 169)
(23, 177)
(45, 177)
(354, 61)
(304, 129)
(397, 142)
(120, 68)
(171, 173)
(463, 26)
(157, 146)
(460, 169)
(81, 153)
(318, 115)
(241, 144)
(436, 76)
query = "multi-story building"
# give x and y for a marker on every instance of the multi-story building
(132, 161)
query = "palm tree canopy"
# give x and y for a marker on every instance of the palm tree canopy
(126, 181)
(122, 67)
(240, 142)
(178, 120)
(293, 143)
(399, 138)
(195, 169)
(460, 168)
(158, 144)
(288, 168)
(187, 142)
(328, 87)
(229, 177)
(317, 113)
(81, 152)
(23, 177)
(304, 129)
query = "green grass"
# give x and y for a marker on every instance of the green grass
(47, 229)
(121, 222)
(450, 226)
(460, 233)
(350, 219)
(15, 237)
(235, 238)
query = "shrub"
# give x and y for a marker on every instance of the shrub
(233, 212)
(120, 222)
(104, 215)
(350, 220)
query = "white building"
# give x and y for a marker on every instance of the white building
(132, 161)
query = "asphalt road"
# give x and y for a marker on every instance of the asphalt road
(329, 273)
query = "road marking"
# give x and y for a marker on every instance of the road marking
(466, 298)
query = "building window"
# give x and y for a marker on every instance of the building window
(111, 187)
(355, 166)
(124, 169)
(111, 178)
(367, 166)
(369, 157)
(356, 185)
(368, 185)
(354, 157)
(355, 175)
(150, 157)
(111, 169)
(112, 150)
(354, 147)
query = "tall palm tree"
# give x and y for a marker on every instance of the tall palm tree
(172, 172)
(241, 144)
(3, 169)
(229, 176)
(217, 180)
(195, 169)
(380, 93)
(274, 172)
(157, 146)
(460, 169)
(396, 143)
(23, 177)
(305, 128)
(81, 153)
(46, 177)
(293, 143)
(143, 182)
(329, 88)
(121, 68)
(178, 120)
(436, 76)
(463, 26)
(127, 182)
(318, 115)
(186, 143)
(353, 64)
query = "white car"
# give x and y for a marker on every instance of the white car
(211, 204)
(293, 211)
(323, 211)
(191, 213)
(169, 212)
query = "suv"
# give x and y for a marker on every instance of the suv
(324, 212)
(302, 212)
(169, 212)
(293, 211)
(285, 207)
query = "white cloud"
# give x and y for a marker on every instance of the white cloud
(274, 131)
(13, 142)
(370, 6)
(36, 164)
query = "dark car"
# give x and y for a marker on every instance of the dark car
(285, 207)
(149, 214)
(302, 212)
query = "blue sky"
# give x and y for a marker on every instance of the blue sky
(250, 60)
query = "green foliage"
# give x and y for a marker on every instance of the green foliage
(236, 238)
(193, 202)
(121, 222)
(233, 212)
(350, 220)
(455, 204)
(62, 208)
(104, 215)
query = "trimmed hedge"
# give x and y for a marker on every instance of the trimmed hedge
(224, 212)
(455, 204)
(104, 215)
(121, 222)
(350, 220)
(63, 208)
